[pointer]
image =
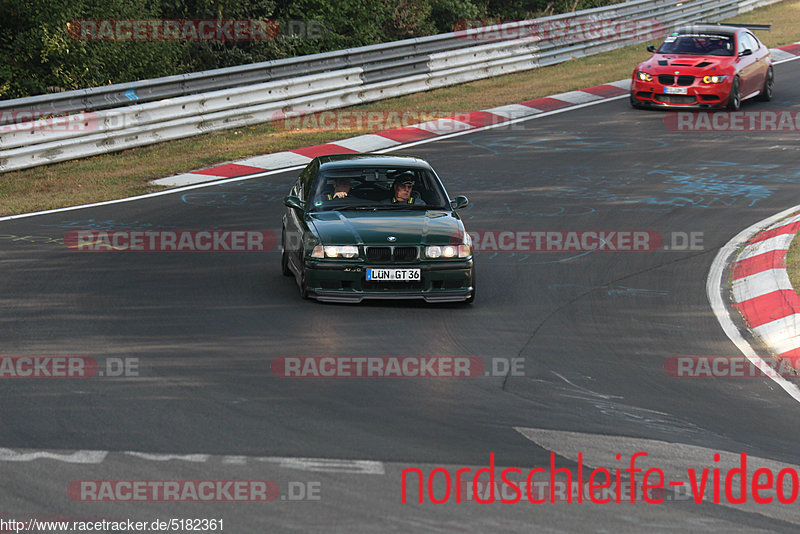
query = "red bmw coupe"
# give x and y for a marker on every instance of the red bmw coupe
(704, 66)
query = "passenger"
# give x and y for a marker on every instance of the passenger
(341, 188)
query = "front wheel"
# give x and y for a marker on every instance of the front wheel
(471, 297)
(302, 282)
(735, 98)
(284, 256)
(769, 86)
(634, 102)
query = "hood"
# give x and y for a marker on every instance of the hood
(686, 64)
(409, 227)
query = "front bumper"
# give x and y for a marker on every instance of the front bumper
(446, 281)
(698, 95)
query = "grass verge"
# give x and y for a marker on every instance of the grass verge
(128, 172)
(793, 263)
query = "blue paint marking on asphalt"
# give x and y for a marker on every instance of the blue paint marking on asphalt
(711, 188)
(571, 211)
(781, 174)
(703, 184)
(561, 143)
(535, 211)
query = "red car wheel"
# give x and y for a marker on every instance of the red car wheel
(735, 98)
(769, 86)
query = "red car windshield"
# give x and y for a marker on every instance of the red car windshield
(698, 44)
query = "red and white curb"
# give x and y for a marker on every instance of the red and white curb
(399, 136)
(762, 290)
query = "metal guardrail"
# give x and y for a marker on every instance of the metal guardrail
(128, 115)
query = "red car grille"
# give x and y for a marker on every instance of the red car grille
(669, 79)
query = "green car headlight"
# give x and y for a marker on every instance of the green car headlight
(433, 252)
(441, 251)
(447, 251)
(341, 251)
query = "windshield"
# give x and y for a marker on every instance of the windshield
(698, 44)
(377, 188)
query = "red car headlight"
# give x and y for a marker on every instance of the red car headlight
(716, 78)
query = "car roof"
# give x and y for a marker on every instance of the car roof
(370, 160)
(708, 28)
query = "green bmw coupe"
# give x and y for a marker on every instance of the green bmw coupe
(373, 226)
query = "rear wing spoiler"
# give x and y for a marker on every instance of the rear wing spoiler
(765, 27)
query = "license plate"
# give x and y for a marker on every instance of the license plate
(675, 91)
(394, 275)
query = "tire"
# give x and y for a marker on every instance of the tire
(302, 282)
(769, 86)
(634, 103)
(471, 298)
(735, 98)
(284, 257)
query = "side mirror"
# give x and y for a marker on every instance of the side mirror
(459, 202)
(294, 202)
(746, 52)
(651, 48)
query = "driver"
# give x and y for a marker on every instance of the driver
(402, 189)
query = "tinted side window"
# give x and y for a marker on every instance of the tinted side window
(306, 180)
